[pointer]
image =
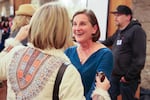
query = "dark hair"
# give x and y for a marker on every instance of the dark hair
(93, 20)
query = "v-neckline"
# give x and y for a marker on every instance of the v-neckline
(78, 59)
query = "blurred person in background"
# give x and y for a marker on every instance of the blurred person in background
(129, 52)
(22, 18)
(4, 31)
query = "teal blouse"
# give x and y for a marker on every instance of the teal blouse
(101, 60)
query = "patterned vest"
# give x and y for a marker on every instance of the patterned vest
(30, 70)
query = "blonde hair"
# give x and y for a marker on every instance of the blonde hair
(50, 27)
(19, 21)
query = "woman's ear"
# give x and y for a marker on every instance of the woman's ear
(95, 28)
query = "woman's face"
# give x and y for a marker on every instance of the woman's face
(82, 28)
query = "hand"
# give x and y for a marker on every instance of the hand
(105, 85)
(23, 33)
(123, 80)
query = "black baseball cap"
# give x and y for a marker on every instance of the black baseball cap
(122, 9)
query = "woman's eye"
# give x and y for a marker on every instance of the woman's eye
(82, 24)
(73, 24)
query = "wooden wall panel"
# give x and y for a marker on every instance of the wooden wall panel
(19, 2)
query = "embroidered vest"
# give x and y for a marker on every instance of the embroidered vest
(30, 70)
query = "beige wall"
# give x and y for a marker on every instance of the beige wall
(4, 8)
(141, 10)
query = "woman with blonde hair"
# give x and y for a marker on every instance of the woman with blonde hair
(22, 17)
(31, 70)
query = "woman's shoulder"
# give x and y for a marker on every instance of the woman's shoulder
(103, 48)
(104, 52)
(70, 49)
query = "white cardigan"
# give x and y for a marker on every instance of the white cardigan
(71, 87)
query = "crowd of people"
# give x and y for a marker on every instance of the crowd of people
(94, 71)
(5, 25)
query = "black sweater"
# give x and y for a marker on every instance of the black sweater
(129, 51)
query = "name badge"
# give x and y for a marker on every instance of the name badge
(119, 42)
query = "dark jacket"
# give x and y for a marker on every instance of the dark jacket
(129, 51)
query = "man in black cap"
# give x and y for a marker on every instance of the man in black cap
(129, 52)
